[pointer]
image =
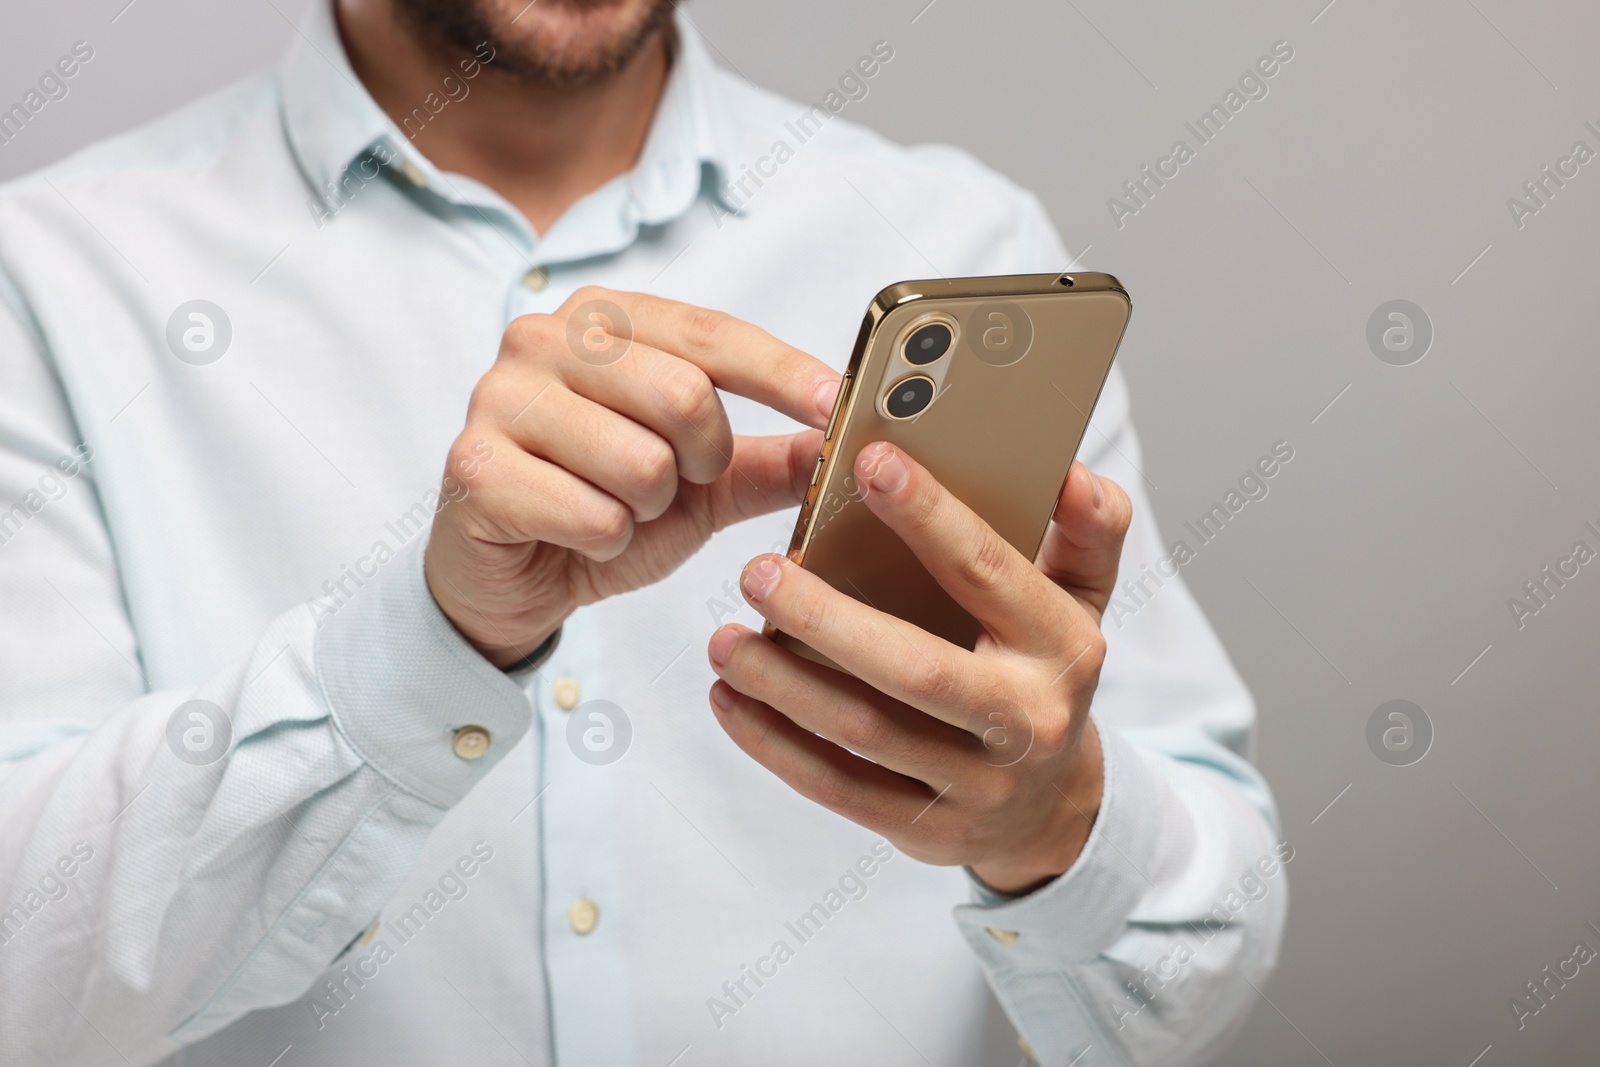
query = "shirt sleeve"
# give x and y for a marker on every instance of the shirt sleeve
(173, 859)
(1150, 947)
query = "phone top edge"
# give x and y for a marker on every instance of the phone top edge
(891, 297)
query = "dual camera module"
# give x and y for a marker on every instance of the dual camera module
(923, 346)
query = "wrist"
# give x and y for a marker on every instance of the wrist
(1053, 851)
(512, 658)
(541, 652)
(505, 639)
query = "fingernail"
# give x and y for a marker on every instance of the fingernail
(722, 696)
(721, 646)
(1099, 492)
(760, 578)
(827, 394)
(885, 471)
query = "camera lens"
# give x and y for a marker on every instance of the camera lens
(909, 396)
(927, 343)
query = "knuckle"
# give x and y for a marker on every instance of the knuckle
(586, 294)
(649, 465)
(1092, 657)
(1052, 734)
(500, 397)
(490, 513)
(764, 738)
(934, 679)
(836, 790)
(704, 329)
(690, 393)
(464, 459)
(1003, 720)
(487, 393)
(753, 674)
(863, 729)
(984, 568)
(810, 615)
(527, 334)
(604, 524)
(925, 506)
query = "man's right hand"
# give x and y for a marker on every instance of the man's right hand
(613, 460)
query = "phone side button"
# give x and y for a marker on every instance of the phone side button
(833, 420)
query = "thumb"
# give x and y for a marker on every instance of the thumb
(1083, 545)
(767, 474)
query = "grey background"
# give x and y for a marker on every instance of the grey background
(1379, 567)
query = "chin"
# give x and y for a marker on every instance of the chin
(554, 42)
(575, 30)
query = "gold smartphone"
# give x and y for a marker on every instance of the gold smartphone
(989, 384)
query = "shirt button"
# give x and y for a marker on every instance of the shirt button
(1005, 937)
(536, 279)
(471, 742)
(583, 916)
(567, 693)
(413, 173)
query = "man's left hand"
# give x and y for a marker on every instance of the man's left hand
(985, 758)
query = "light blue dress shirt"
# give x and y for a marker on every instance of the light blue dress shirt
(244, 817)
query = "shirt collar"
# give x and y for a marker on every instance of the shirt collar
(330, 120)
(328, 115)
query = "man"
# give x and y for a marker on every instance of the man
(313, 758)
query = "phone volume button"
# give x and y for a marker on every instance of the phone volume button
(838, 407)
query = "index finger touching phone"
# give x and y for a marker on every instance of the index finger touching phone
(736, 356)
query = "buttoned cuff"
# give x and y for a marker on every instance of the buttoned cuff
(1077, 916)
(407, 691)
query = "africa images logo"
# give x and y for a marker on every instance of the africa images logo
(199, 732)
(199, 332)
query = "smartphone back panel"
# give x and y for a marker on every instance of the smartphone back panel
(997, 420)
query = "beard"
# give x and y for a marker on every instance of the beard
(563, 44)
